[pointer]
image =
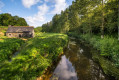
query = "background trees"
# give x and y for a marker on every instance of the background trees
(59, 23)
(87, 16)
(7, 19)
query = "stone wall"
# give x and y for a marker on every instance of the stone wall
(18, 35)
(33, 34)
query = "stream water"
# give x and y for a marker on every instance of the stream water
(14, 55)
(77, 64)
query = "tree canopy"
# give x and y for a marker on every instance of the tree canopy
(7, 19)
(86, 16)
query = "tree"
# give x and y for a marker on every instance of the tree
(87, 16)
(7, 19)
(74, 17)
(38, 29)
(64, 21)
(102, 26)
(86, 10)
(21, 22)
(118, 20)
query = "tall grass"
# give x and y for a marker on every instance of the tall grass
(108, 46)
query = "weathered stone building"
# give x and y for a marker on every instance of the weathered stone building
(20, 31)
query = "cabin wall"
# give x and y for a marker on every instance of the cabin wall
(33, 35)
(18, 35)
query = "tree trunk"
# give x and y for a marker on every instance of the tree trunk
(90, 31)
(118, 20)
(102, 26)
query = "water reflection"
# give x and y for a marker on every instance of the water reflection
(77, 64)
(65, 70)
(14, 55)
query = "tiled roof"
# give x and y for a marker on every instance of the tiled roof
(19, 29)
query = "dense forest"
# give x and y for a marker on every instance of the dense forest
(86, 16)
(7, 19)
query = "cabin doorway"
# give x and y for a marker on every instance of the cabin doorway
(19, 35)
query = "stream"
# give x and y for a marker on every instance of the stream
(77, 64)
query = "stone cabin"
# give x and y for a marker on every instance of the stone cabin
(20, 31)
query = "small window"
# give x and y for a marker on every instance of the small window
(9, 34)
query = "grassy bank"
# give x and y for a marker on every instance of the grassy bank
(108, 67)
(108, 48)
(34, 58)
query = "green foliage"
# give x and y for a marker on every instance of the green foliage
(34, 58)
(8, 47)
(7, 19)
(59, 23)
(38, 29)
(86, 16)
(73, 18)
(108, 67)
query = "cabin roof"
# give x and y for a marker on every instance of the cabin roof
(19, 29)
